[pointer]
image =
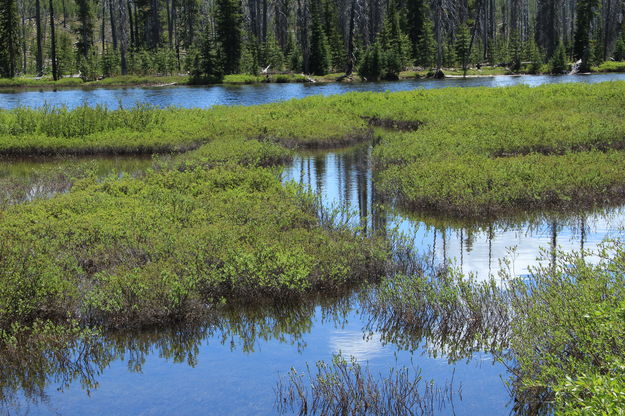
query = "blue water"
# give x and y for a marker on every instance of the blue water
(205, 97)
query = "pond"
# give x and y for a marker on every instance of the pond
(230, 364)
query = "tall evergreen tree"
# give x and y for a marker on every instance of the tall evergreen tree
(336, 43)
(9, 38)
(416, 26)
(318, 61)
(205, 65)
(586, 10)
(85, 27)
(392, 43)
(229, 21)
(463, 48)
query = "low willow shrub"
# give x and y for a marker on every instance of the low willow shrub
(125, 252)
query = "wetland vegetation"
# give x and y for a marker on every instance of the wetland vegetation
(208, 225)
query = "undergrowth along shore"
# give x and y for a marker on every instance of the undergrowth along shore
(241, 79)
(474, 151)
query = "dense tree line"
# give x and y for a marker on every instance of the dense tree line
(379, 38)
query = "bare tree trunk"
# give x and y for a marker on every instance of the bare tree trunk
(131, 24)
(64, 14)
(439, 35)
(113, 28)
(264, 31)
(123, 35)
(103, 28)
(55, 69)
(350, 41)
(39, 58)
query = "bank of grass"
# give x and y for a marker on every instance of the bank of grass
(611, 66)
(156, 81)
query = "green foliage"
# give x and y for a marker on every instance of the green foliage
(372, 64)
(538, 147)
(611, 67)
(534, 56)
(568, 332)
(559, 62)
(560, 327)
(619, 51)
(9, 38)
(319, 61)
(582, 48)
(84, 29)
(204, 64)
(65, 54)
(89, 66)
(229, 22)
(516, 50)
(142, 251)
(556, 145)
(420, 32)
(463, 47)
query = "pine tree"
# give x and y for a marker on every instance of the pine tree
(85, 27)
(515, 51)
(371, 66)
(336, 43)
(417, 26)
(619, 51)
(426, 47)
(392, 44)
(229, 20)
(9, 38)
(205, 67)
(463, 48)
(558, 63)
(586, 10)
(319, 60)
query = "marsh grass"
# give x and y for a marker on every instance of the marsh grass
(466, 152)
(346, 387)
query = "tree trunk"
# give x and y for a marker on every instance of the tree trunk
(350, 41)
(55, 69)
(113, 28)
(123, 36)
(39, 57)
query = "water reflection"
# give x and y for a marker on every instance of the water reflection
(208, 96)
(227, 364)
(27, 179)
(344, 180)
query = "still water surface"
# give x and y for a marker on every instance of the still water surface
(208, 96)
(230, 365)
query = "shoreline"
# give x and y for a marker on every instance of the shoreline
(28, 84)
